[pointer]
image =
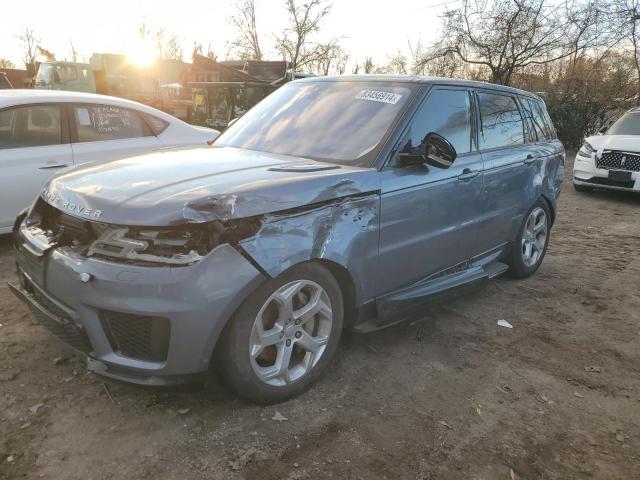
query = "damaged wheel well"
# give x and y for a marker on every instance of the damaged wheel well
(342, 275)
(551, 209)
(345, 282)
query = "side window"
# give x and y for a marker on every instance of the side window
(446, 112)
(30, 126)
(106, 122)
(6, 120)
(500, 121)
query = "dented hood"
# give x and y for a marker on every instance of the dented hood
(201, 185)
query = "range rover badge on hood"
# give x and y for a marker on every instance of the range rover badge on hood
(75, 208)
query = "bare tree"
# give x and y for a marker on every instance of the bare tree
(626, 15)
(173, 48)
(159, 41)
(331, 57)
(197, 49)
(211, 53)
(368, 66)
(295, 44)
(6, 63)
(398, 63)
(246, 45)
(74, 52)
(48, 55)
(505, 36)
(166, 47)
(29, 44)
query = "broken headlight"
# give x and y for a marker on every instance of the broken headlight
(175, 246)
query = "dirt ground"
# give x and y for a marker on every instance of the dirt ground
(452, 396)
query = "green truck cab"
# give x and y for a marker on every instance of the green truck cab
(74, 76)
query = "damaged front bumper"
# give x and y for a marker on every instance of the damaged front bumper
(153, 325)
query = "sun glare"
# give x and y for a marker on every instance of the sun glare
(142, 53)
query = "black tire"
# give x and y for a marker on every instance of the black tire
(234, 361)
(517, 266)
(582, 188)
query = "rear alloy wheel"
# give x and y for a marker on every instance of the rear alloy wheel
(531, 245)
(284, 335)
(534, 237)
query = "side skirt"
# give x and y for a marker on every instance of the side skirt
(401, 305)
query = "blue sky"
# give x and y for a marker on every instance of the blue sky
(366, 27)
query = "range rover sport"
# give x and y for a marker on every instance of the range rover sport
(335, 202)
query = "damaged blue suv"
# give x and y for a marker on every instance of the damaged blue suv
(335, 202)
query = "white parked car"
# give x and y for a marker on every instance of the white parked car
(611, 160)
(42, 131)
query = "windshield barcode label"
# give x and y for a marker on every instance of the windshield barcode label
(377, 96)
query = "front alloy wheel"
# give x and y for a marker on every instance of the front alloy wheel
(290, 332)
(283, 336)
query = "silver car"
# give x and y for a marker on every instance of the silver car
(335, 202)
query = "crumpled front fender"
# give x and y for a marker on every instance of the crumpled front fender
(344, 231)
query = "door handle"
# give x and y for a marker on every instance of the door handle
(52, 166)
(468, 174)
(530, 159)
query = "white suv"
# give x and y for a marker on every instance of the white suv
(42, 131)
(611, 160)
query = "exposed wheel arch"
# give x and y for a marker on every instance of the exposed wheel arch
(345, 280)
(552, 209)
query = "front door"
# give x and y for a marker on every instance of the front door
(33, 146)
(430, 217)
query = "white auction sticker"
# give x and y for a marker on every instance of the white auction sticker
(377, 96)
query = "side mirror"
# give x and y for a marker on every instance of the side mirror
(438, 151)
(435, 150)
(603, 129)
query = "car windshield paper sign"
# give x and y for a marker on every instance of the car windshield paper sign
(378, 96)
(83, 117)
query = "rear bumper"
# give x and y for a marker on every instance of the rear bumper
(192, 304)
(585, 173)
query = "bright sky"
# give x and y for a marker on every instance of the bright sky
(367, 28)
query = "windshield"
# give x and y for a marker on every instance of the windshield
(45, 74)
(628, 124)
(340, 121)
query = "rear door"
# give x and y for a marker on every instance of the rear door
(34, 144)
(107, 132)
(550, 150)
(430, 218)
(510, 161)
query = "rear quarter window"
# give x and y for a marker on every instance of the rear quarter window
(550, 128)
(542, 120)
(156, 124)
